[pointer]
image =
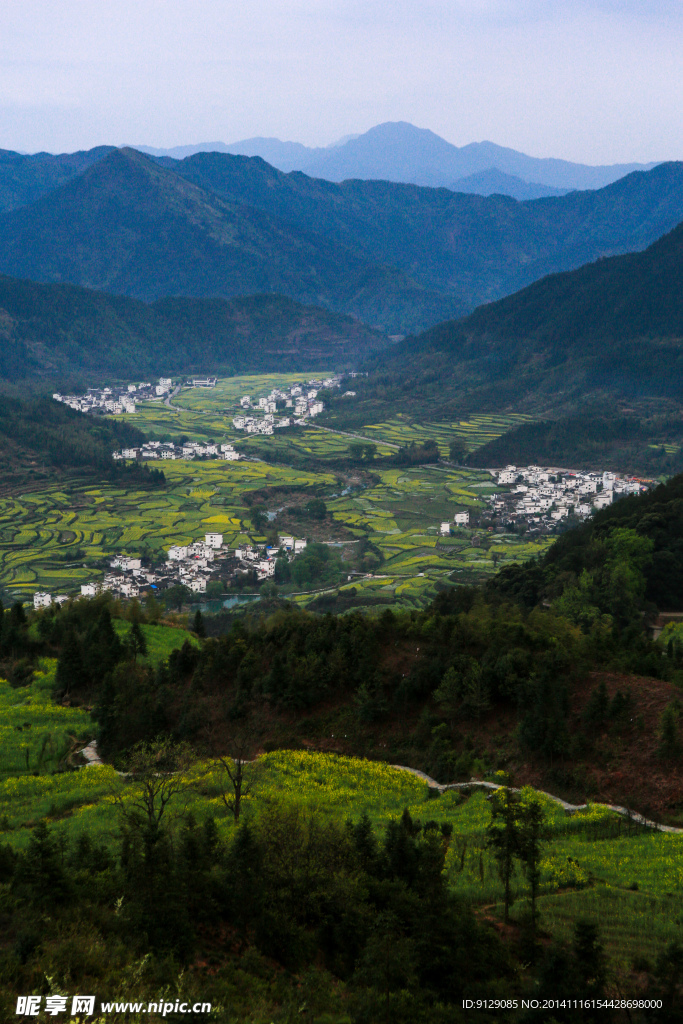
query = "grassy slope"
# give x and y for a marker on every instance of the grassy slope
(606, 859)
(161, 640)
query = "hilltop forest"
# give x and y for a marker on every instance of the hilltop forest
(40, 438)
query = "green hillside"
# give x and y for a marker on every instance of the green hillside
(650, 442)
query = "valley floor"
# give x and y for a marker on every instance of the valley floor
(58, 537)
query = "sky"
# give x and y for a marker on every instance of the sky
(595, 81)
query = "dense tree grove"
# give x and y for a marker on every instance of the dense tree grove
(65, 437)
(369, 910)
(47, 437)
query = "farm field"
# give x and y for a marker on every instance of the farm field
(593, 864)
(207, 412)
(401, 516)
(476, 431)
(305, 441)
(57, 539)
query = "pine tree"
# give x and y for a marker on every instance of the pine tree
(669, 745)
(137, 641)
(503, 837)
(589, 956)
(532, 832)
(448, 694)
(365, 842)
(40, 877)
(71, 671)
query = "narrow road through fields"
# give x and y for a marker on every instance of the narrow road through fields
(167, 400)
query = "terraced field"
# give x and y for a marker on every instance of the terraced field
(306, 441)
(593, 864)
(207, 412)
(229, 390)
(476, 431)
(58, 539)
(402, 517)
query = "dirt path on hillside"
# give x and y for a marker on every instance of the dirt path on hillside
(91, 754)
(569, 808)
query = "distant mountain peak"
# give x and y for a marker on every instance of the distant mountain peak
(401, 152)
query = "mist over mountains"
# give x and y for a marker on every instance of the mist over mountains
(398, 151)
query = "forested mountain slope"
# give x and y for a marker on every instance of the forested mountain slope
(41, 439)
(62, 331)
(25, 178)
(478, 248)
(128, 225)
(398, 256)
(580, 566)
(614, 326)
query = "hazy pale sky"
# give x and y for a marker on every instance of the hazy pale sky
(597, 81)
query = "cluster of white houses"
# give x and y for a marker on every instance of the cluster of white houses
(116, 399)
(544, 494)
(459, 519)
(169, 450)
(298, 402)
(191, 565)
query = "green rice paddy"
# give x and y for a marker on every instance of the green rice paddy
(101, 521)
(475, 431)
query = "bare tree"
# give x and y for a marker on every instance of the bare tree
(157, 773)
(238, 767)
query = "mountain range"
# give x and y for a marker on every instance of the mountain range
(398, 151)
(400, 257)
(61, 331)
